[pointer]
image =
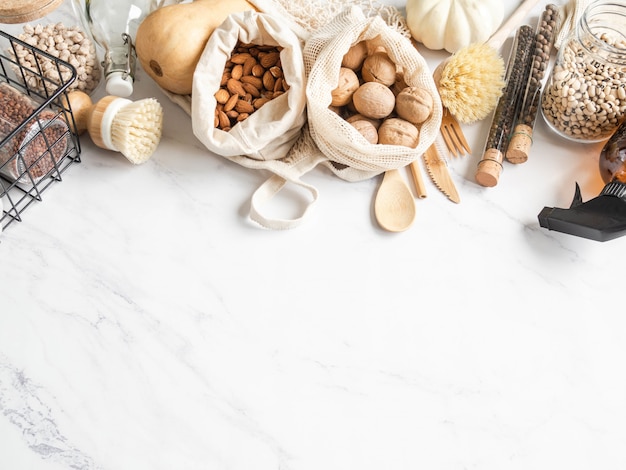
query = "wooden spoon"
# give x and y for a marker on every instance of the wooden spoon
(394, 206)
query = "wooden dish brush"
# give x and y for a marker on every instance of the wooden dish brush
(471, 80)
(132, 128)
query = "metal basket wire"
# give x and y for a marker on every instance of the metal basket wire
(58, 149)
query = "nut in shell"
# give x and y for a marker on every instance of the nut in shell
(359, 117)
(396, 131)
(348, 84)
(378, 67)
(366, 129)
(353, 59)
(374, 100)
(414, 104)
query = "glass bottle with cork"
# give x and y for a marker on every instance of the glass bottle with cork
(55, 27)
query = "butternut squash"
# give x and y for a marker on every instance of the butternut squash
(170, 40)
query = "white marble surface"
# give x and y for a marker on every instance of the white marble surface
(145, 323)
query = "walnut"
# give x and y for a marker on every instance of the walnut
(399, 84)
(366, 129)
(374, 100)
(414, 104)
(396, 131)
(359, 117)
(378, 67)
(353, 59)
(348, 84)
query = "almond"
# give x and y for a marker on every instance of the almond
(244, 107)
(232, 101)
(258, 70)
(225, 78)
(251, 89)
(255, 81)
(221, 96)
(248, 65)
(240, 58)
(259, 102)
(268, 81)
(278, 85)
(269, 59)
(235, 87)
(237, 72)
(276, 71)
(223, 119)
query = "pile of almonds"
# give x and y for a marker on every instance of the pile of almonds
(253, 75)
(372, 96)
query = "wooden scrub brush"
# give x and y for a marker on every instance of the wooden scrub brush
(471, 80)
(132, 128)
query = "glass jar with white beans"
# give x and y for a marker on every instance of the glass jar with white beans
(584, 98)
(56, 27)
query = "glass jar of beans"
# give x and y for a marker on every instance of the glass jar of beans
(57, 28)
(584, 98)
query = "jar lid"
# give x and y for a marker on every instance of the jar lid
(23, 11)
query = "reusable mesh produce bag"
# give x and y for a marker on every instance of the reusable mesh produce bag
(325, 29)
(349, 155)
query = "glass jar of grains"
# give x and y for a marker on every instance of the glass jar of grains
(56, 27)
(584, 98)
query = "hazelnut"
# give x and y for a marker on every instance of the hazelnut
(374, 100)
(353, 59)
(414, 104)
(348, 84)
(366, 129)
(378, 67)
(396, 131)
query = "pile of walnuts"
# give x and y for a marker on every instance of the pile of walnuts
(372, 96)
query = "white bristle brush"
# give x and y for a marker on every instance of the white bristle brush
(471, 80)
(132, 128)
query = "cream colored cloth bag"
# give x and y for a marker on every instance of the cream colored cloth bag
(269, 132)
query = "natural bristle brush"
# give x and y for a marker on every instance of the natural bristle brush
(132, 128)
(471, 80)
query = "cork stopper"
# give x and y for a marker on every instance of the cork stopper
(489, 168)
(23, 11)
(519, 146)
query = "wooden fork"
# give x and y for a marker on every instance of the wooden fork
(453, 135)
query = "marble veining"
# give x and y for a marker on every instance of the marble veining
(146, 323)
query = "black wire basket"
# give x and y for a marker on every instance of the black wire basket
(37, 138)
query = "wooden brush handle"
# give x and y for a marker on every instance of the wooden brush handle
(497, 39)
(88, 116)
(80, 103)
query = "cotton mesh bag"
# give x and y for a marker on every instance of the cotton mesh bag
(349, 155)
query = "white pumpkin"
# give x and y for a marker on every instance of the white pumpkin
(453, 24)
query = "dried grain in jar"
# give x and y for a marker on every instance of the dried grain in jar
(34, 148)
(55, 27)
(585, 95)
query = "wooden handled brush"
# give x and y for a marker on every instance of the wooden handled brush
(132, 128)
(471, 80)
